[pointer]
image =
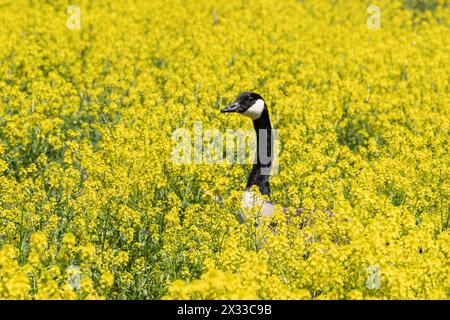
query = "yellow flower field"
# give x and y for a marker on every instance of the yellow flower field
(92, 205)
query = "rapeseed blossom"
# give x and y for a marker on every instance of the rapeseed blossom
(92, 205)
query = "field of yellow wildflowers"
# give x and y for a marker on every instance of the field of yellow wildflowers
(92, 205)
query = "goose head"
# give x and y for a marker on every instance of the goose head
(248, 104)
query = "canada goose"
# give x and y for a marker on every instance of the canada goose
(253, 106)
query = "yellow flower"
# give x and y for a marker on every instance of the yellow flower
(93, 205)
(107, 279)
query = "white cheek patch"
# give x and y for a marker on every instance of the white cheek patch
(255, 111)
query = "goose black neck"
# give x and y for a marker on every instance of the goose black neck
(260, 172)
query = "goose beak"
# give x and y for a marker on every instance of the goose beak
(234, 107)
